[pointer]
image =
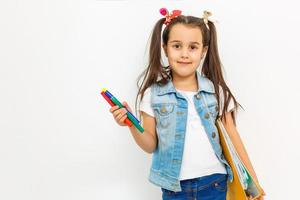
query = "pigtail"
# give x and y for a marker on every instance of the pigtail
(212, 68)
(155, 69)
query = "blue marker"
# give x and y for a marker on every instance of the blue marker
(111, 96)
(131, 117)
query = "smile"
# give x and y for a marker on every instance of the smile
(184, 62)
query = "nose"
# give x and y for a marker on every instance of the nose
(184, 53)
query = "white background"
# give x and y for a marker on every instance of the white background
(57, 137)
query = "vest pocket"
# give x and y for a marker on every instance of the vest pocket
(163, 114)
(213, 110)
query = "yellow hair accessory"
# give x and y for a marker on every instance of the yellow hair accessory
(206, 14)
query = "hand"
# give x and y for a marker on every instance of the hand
(263, 194)
(119, 114)
(261, 197)
(125, 104)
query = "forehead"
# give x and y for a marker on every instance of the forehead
(185, 34)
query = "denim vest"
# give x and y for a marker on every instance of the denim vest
(170, 110)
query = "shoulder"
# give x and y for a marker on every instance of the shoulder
(222, 101)
(145, 104)
(146, 94)
(150, 91)
(221, 92)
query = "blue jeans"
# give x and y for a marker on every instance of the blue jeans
(212, 187)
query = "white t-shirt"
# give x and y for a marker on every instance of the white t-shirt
(199, 158)
(145, 104)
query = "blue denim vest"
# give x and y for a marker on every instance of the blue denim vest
(170, 110)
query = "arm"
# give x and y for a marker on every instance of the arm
(238, 144)
(147, 140)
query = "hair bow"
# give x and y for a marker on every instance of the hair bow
(206, 14)
(169, 17)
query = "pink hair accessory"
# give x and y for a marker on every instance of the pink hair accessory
(169, 17)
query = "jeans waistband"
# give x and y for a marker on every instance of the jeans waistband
(202, 182)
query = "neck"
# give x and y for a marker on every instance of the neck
(188, 83)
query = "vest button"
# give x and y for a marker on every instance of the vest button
(178, 136)
(198, 96)
(179, 113)
(213, 134)
(175, 161)
(206, 115)
(163, 109)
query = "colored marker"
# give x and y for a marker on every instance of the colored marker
(129, 114)
(127, 121)
(109, 95)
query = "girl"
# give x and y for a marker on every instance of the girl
(179, 106)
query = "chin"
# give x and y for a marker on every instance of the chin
(182, 72)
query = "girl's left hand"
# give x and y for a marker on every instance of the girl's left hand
(263, 194)
(261, 197)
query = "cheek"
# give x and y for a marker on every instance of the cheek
(173, 53)
(173, 57)
(196, 56)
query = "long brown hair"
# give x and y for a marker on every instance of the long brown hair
(157, 73)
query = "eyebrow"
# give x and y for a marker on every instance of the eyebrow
(180, 41)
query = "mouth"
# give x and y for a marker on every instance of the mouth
(185, 63)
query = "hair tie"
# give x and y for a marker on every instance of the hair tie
(206, 14)
(169, 17)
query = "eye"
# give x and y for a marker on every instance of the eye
(176, 45)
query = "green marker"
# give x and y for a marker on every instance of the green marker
(129, 114)
(132, 119)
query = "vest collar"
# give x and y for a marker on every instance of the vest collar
(203, 82)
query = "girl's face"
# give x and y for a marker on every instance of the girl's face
(184, 50)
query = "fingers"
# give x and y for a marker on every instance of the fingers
(119, 114)
(122, 119)
(127, 106)
(112, 109)
(116, 110)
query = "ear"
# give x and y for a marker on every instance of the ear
(165, 49)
